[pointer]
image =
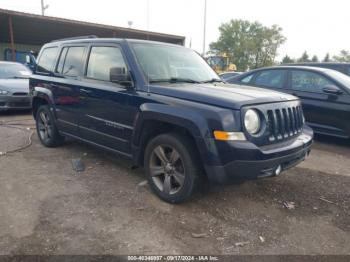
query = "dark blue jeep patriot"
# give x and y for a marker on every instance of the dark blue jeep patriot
(162, 106)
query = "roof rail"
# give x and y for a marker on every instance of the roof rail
(75, 38)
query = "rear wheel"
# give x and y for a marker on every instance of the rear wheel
(46, 127)
(172, 168)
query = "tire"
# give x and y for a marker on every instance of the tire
(172, 167)
(46, 127)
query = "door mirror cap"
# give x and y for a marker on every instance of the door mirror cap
(332, 90)
(120, 76)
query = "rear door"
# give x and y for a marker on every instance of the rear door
(106, 118)
(66, 86)
(275, 79)
(327, 113)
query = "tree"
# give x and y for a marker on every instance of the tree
(327, 58)
(304, 58)
(247, 44)
(344, 56)
(315, 59)
(287, 60)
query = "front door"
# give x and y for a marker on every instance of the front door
(324, 112)
(106, 119)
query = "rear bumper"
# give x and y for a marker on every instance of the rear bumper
(15, 102)
(264, 161)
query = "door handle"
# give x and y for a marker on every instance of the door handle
(82, 90)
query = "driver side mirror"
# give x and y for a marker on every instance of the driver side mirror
(120, 76)
(332, 90)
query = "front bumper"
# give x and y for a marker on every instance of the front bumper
(251, 162)
(15, 102)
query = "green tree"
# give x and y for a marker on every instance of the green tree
(315, 59)
(249, 45)
(344, 56)
(327, 58)
(304, 58)
(287, 60)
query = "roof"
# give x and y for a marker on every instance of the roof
(311, 68)
(87, 39)
(37, 29)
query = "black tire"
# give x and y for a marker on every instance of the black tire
(47, 132)
(186, 165)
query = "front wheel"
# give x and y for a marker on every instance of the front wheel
(172, 167)
(46, 128)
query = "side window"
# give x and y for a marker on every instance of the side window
(308, 81)
(47, 59)
(247, 79)
(73, 64)
(61, 60)
(102, 59)
(271, 78)
(348, 71)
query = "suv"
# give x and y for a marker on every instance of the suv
(162, 106)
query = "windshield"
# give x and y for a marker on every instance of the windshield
(8, 71)
(340, 77)
(166, 63)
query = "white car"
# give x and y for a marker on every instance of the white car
(14, 87)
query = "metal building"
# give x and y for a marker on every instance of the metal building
(28, 32)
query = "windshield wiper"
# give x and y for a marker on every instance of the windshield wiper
(175, 80)
(213, 80)
(19, 77)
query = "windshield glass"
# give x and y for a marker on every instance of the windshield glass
(8, 71)
(340, 77)
(165, 62)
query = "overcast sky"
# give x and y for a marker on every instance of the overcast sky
(317, 26)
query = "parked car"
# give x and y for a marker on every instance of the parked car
(227, 75)
(14, 86)
(163, 107)
(341, 67)
(325, 94)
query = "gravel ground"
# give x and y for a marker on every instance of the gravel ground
(48, 208)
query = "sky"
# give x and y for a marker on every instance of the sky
(315, 26)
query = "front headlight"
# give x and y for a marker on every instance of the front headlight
(252, 121)
(3, 92)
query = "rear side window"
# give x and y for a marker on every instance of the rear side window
(73, 63)
(271, 78)
(247, 79)
(102, 59)
(47, 59)
(309, 81)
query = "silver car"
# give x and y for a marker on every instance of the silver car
(14, 86)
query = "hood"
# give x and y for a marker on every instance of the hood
(223, 95)
(15, 85)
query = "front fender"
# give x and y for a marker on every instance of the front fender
(186, 118)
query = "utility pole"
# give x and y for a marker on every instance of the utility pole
(43, 7)
(205, 26)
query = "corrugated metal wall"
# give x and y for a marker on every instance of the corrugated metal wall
(18, 47)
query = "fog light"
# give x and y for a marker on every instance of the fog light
(278, 170)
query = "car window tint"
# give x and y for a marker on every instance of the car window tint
(102, 59)
(47, 59)
(61, 60)
(247, 79)
(348, 72)
(73, 63)
(270, 78)
(309, 81)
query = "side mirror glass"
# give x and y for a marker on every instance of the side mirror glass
(332, 90)
(120, 76)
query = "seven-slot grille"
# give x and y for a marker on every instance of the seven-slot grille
(284, 122)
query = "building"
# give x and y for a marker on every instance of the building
(28, 32)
